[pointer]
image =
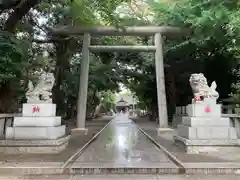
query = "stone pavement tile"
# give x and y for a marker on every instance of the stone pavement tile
(212, 165)
(115, 177)
(10, 178)
(30, 164)
(198, 177)
(158, 177)
(38, 177)
(49, 177)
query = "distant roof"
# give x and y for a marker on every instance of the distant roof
(121, 100)
(122, 103)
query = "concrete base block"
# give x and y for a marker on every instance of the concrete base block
(32, 133)
(79, 131)
(161, 131)
(205, 121)
(34, 146)
(203, 146)
(37, 121)
(206, 133)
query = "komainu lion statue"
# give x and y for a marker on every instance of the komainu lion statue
(42, 92)
(200, 88)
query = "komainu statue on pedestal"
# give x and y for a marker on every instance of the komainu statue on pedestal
(200, 88)
(42, 92)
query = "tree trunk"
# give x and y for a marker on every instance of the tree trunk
(91, 104)
(61, 69)
(7, 98)
(170, 92)
(7, 91)
(71, 102)
(154, 111)
(18, 14)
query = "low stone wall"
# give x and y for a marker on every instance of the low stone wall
(6, 121)
(177, 117)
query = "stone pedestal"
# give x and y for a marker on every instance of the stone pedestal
(203, 129)
(37, 130)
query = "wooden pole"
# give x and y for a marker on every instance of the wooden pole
(161, 92)
(83, 85)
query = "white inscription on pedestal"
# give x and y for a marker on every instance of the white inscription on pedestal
(207, 109)
(35, 109)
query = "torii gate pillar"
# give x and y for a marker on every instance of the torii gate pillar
(161, 92)
(83, 87)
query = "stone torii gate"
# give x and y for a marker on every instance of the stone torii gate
(157, 31)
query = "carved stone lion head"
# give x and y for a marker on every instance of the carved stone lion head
(197, 78)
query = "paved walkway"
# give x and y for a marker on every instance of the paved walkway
(122, 145)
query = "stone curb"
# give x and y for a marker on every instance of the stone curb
(120, 170)
(83, 171)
